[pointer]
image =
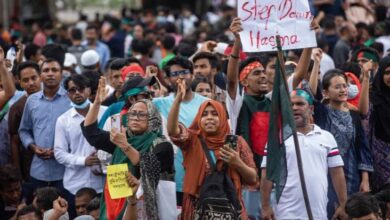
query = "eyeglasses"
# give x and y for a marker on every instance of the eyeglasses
(74, 89)
(143, 116)
(180, 72)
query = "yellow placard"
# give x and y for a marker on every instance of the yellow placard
(117, 182)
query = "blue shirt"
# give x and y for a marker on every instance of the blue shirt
(188, 111)
(38, 126)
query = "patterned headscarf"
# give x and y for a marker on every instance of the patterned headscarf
(149, 164)
(154, 118)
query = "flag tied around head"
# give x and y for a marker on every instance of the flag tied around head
(281, 127)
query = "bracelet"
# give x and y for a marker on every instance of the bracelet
(234, 56)
(132, 202)
(126, 149)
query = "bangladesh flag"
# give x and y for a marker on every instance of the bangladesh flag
(281, 127)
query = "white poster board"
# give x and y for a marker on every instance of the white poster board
(262, 20)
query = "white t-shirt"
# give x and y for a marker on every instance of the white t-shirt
(319, 152)
(233, 108)
(326, 64)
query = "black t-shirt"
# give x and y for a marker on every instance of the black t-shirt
(111, 99)
(6, 212)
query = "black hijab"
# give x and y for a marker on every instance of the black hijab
(380, 99)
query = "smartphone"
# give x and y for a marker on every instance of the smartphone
(116, 122)
(231, 140)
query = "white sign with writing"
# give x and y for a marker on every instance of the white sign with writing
(262, 20)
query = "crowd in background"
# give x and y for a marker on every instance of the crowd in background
(160, 89)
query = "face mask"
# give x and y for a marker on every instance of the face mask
(82, 105)
(66, 74)
(353, 91)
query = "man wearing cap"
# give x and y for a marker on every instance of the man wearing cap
(90, 60)
(94, 43)
(320, 155)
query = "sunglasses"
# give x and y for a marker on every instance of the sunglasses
(180, 72)
(74, 89)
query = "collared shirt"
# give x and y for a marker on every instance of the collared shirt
(103, 51)
(319, 152)
(71, 149)
(37, 127)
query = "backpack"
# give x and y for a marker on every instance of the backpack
(218, 198)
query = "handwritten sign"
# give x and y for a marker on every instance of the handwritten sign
(117, 182)
(262, 20)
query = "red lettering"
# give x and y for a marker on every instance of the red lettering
(284, 9)
(265, 14)
(294, 39)
(246, 10)
(285, 40)
(251, 37)
(272, 41)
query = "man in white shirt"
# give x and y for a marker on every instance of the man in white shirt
(320, 154)
(70, 147)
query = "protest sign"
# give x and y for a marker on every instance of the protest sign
(117, 182)
(262, 20)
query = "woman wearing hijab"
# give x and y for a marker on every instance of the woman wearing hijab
(379, 125)
(354, 90)
(212, 126)
(141, 146)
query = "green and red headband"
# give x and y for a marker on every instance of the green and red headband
(302, 93)
(368, 55)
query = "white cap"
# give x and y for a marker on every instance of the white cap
(89, 58)
(70, 60)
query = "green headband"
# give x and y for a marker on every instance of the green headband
(302, 93)
(132, 92)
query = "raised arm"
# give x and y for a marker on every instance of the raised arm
(302, 67)
(364, 100)
(173, 116)
(95, 136)
(7, 82)
(304, 60)
(131, 207)
(93, 112)
(233, 65)
(313, 82)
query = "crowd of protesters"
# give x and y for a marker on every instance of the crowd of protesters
(163, 90)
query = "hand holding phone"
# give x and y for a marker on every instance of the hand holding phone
(231, 141)
(116, 122)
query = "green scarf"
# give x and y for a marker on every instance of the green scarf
(143, 144)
